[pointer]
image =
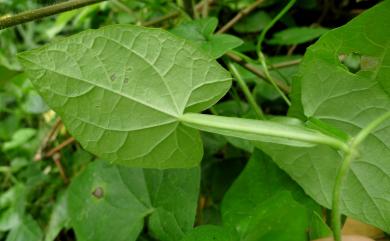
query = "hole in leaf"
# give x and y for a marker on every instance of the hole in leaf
(352, 61)
(98, 192)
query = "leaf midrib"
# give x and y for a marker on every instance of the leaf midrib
(124, 95)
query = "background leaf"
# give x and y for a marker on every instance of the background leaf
(296, 35)
(265, 204)
(211, 233)
(200, 32)
(114, 202)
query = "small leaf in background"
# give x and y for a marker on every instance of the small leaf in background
(27, 229)
(59, 218)
(34, 103)
(12, 205)
(200, 32)
(109, 202)
(125, 107)
(255, 22)
(61, 21)
(211, 233)
(19, 138)
(297, 35)
(261, 204)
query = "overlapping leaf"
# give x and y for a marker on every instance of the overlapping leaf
(120, 89)
(109, 202)
(262, 205)
(347, 100)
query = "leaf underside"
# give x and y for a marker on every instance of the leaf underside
(120, 89)
(347, 101)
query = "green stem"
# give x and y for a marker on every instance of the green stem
(258, 130)
(271, 80)
(247, 92)
(272, 23)
(349, 156)
(44, 12)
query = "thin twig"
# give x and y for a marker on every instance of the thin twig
(173, 14)
(48, 138)
(119, 4)
(285, 64)
(57, 161)
(205, 10)
(240, 15)
(161, 19)
(58, 148)
(284, 87)
(44, 12)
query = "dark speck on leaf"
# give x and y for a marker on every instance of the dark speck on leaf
(126, 80)
(113, 77)
(98, 192)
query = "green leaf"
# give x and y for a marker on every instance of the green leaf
(27, 229)
(12, 206)
(211, 233)
(59, 218)
(19, 138)
(253, 23)
(109, 202)
(348, 102)
(297, 35)
(120, 90)
(200, 33)
(261, 204)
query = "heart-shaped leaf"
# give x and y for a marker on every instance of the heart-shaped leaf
(262, 205)
(348, 96)
(120, 90)
(110, 202)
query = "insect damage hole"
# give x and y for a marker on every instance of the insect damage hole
(352, 61)
(98, 193)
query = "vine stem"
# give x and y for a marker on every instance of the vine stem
(44, 12)
(259, 73)
(349, 156)
(240, 15)
(271, 79)
(272, 23)
(247, 92)
(258, 130)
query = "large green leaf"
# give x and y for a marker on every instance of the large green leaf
(348, 101)
(109, 202)
(120, 89)
(262, 205)
(211, 233)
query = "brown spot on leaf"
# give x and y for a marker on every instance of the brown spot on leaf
(98, 192)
